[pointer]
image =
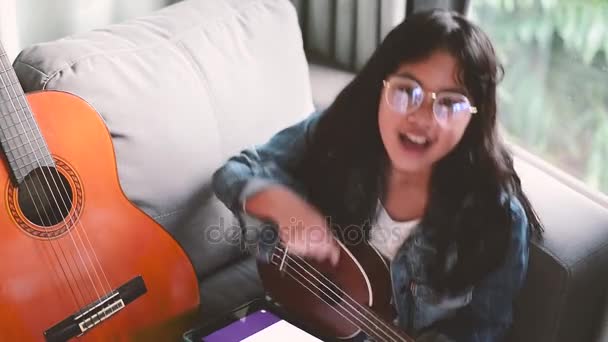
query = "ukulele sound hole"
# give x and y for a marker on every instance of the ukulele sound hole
(330, 292)
(45, 197)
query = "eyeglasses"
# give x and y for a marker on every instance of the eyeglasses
(404, 95)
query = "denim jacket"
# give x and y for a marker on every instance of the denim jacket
(481, 313)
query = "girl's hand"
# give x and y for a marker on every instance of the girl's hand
(302, 229)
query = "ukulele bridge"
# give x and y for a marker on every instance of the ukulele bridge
(97, 312)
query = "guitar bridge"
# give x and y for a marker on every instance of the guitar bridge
(97, 312)
(100, 312)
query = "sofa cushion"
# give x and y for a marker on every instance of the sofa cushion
(180, 90)
(219, 298)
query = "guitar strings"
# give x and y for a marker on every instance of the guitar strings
(85, 233)
(366, 312)
(22, 109)
(75, 297)
(369, 330)
(343, 293)
(73, 219)
(17, 111)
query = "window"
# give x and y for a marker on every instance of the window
(554, 96)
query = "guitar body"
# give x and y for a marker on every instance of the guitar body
(51, 272)
(325, 298)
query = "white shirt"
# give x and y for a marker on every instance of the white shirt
(387, 235)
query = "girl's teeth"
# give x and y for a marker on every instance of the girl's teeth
(420, 140)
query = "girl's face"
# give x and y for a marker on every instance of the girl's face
(423, 113)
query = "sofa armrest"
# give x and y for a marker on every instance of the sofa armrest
(563, 298)
(603, 335)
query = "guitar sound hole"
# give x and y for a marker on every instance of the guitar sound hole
(330, 292)
(45, 197)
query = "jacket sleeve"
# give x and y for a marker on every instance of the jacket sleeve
(259, 167)
(489, 315)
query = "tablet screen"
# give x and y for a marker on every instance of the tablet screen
(259, 326)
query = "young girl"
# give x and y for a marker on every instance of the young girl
(409, 154)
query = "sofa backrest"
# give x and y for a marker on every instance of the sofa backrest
(180, 90)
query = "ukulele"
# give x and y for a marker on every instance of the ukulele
(340, 302)
(77, 258)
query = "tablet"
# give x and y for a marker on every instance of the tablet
(257, 321)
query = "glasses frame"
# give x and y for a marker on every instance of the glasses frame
(387, 85)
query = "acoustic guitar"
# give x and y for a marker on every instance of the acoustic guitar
(77, 258)
(339, 302)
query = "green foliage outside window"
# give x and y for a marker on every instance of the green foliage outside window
(554, 97)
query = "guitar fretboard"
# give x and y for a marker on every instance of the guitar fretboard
(22, 143)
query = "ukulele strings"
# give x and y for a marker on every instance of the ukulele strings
(61, 195)
(365, 312)
(365, 309)
(369, 330)
(323, 300)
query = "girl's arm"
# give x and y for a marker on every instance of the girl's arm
(263, 166)
(259, 187)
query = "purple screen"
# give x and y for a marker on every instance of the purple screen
(243, 328)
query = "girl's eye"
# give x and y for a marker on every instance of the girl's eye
(454, 103)
(408, 89)
(448, 102)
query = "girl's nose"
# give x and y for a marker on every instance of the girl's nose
(423, 116)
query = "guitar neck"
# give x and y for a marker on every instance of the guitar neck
(22, 143)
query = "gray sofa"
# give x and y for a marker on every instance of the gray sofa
(186, 87)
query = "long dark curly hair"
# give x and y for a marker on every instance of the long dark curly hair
(344, 171)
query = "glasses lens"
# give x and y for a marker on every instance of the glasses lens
(404, 95)
(450, 105)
